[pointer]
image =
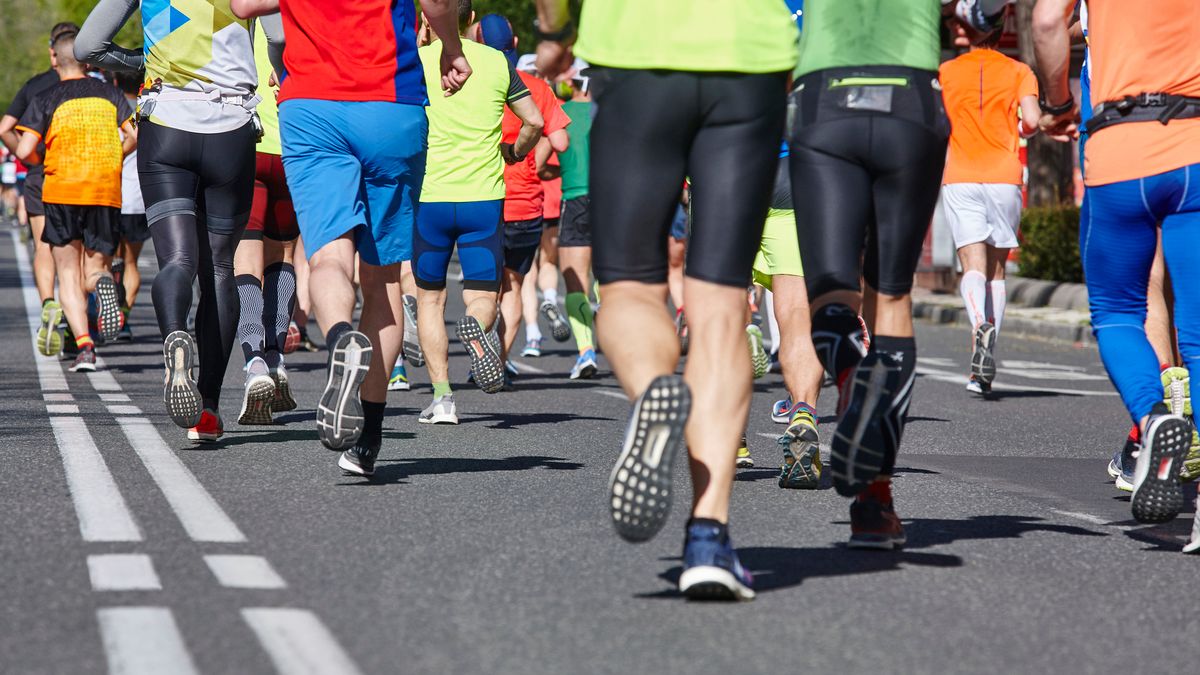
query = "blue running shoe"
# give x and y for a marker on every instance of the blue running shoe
(585, 366)
(533, 348)
(711, 569)
(399, 379)
(782, 411)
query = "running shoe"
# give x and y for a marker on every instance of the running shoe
(873, 520)
(441, 411)
(399, 378)
(533, 348)
(1157, 497)
(283, 391)
(977, 387)
(711, 569)
(681, 330)
(758, 355)
(1122, 466)
(558, 327)
(339, 410)
(259, 393)
(585, 366)
(1193, 546)
(1177, 390)
(180, 395)
(126, 332)
(510, 369)
(1190, 469)
(801, 469)
(359, 460)
(983, 361)
(640, 483)
(774, 366)
(50, 337)
(108, 309)
(783, 411)
(85, 361)
(291, 342)
(485, 357)
(305, 343)
(209, 428)
(412, 341)
(871, 425)
(744, 460)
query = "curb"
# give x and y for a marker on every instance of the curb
(1017, 325)
(1039, 293)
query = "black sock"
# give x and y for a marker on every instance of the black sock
(336, 332)
(250, 330)
(837, 337)
(903, 351)
(372, 433)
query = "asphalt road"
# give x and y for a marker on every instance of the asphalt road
(485, 548)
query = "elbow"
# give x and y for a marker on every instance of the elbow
(1046, 21)
(535, 127)
(241, 9)
(85, 51)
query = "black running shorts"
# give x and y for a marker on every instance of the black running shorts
(133, 228)
(575, 229)
(32, 192)
(522, 238)
(95, 226)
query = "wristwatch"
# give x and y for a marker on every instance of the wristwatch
(564, 34)
(1060, 109)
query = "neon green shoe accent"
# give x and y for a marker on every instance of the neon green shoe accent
(801, 469)
(49, 337)
(744, 460)
(1190, 470)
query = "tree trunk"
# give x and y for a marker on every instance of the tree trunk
(1051, 164)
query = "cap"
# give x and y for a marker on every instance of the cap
(496, 32)
(527, 63)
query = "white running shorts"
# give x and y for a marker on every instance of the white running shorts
(983, 212)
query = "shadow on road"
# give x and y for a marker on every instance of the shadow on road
(395, 471)
(513, 420)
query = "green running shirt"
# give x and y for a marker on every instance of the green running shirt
(268, 109)
(847, 33)
(574, 162)
(740, 36)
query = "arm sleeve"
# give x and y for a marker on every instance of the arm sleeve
(516, 87)
(272, 25)
(94, 43)
(35, 118)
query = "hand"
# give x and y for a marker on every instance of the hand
(554, 59)
(1062, 128)
(509, 154)
(455, 69)
(273, 80)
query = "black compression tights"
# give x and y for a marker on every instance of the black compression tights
(187, 251)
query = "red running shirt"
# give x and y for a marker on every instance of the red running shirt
(523, 189)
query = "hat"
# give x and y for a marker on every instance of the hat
(496, 32)
(527, 64)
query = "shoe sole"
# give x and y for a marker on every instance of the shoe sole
(399, 386)
(758, 356)
(108, 310)
(50, 338)
(204, 438)
(1112, 472)
(640, 483)
(412, 343)
(713, 583)
(339, 411)
(559, 330)
(860, 443)
(745, 462)
(875, 542)
(585, 373)
(352, 467)
(1158, 498)
(1177, 394)
(257, 401)
(485, 359)
(800, 474)
(83, 368)
(983, 362)
(441, 418)
(180, 395)
(284, 401)
(530, 354)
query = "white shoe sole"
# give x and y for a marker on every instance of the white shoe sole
(180, 395)
(441, 418)
(1157, 497)
(350, 467)
(108, 310)
(713, 583)
(339, 412)
(257, 400)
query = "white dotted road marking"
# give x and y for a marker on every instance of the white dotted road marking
(102, 513)
(62, 408)
(297, 642)
(244, 571)
(122, 572)
(143, 641)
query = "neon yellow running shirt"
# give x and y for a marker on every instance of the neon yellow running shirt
(846, 33)
(268, 109)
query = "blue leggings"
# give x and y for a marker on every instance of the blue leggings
(1117, 239)
(476, 227)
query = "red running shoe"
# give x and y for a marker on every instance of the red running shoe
(209, 429)
(873, 520)
(292, 341)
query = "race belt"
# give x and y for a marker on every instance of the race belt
(1156, 107)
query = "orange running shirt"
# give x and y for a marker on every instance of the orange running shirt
(522, 187)
(1143, 47)
(78, 120)
(983, 91)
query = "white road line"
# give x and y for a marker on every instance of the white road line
(961, 379)
(103, 515)
(1089, 518)
(122, 572)
(523, 367)
(58, 397)
(114, 398)
(297, 642)
(124, 410)
(102, 379)
(62, 408)
(609, 392)
(50, 375)
(196, 509)
(244, 571)
(143, 641)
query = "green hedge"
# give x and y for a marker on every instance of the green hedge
(1050, 244)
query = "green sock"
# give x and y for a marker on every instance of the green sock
(441, 389)
(579, 313)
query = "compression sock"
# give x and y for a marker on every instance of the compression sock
(83, 342)
(279, 300)
(532, 332)
(838, 338)
(250, 331)
(903, 352)
(579, 313)
(372, 433)
(441, 389)
(973, 288)
(997, 301)
(550, 295)
(338, 329)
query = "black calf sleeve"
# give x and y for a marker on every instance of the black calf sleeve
(838, 338)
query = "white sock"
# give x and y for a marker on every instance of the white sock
(997, 300)
(550, 295)
(772, 324)
(973, 288)
(532, 332)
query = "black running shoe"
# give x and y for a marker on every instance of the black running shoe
(359, 460)
(339, 412)
(558, 327)
(983, 359)
(180, 395)
(870, 427)
(485, 357)
(640, 484)
(108, 309)
(1157, 496)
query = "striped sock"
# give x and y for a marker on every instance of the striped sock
(83, 342)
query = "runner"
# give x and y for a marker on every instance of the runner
(1136, 171)
(411, 349)
(462, 206)
(991, 99)
(133, 230)
(676, 257)
(81, 121)
(354, 139)
(696, 99)
(523, 202)
(50, 340)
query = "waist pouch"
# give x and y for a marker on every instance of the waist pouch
(1154, 107)
(868, 91)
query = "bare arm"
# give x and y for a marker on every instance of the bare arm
(8, 135)
(129, 142)
(27, 149)
(443, 18)
(559, 140)
(1076, 32)
(94, 44)
(1030, 114)
(553, 58)
(247, 9)
(541, 154)
(1052, 45)
(531, 125)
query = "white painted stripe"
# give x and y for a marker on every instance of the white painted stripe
(961, 379)
(528, 369)
(143, 641)
(297, 642)
(102, 379)
(114, 398)
(199, 513)
(1089, 518)
(50, 373)
(122, 572)
(124, 410)
(59, 397)
(609, 392)
(244, 571)
(103, 515)
(62, 408)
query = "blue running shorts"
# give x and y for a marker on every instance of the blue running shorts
(477, 229)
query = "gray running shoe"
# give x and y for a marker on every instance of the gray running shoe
(412, 342)
(283, 391)
(558, 327)
(484, 353)
(339, 410)
(441, 411)
(259, 394)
